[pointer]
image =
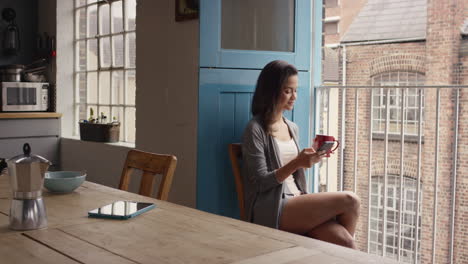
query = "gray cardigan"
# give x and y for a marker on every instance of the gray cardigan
(263, 192)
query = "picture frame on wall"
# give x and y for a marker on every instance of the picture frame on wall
(186, 9)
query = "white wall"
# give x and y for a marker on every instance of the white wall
(167, 90)
(64, 65)
(102, 162)
(166, 100)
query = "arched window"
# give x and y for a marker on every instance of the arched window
(408, 221)
(411, 118)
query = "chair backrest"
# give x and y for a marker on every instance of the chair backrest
(235, 154)
(150, 164)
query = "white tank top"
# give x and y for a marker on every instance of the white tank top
(287, 152)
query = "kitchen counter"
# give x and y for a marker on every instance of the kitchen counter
(40, 129)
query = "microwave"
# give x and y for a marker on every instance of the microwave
(24, 96)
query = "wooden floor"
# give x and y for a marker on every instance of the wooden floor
(168, 234)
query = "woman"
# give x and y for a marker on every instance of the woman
(273, 171)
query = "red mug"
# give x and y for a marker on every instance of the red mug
(327, 142)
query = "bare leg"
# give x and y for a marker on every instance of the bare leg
(303, 213)
(333, 232)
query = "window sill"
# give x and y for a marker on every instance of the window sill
(397, 137)
(117, 144)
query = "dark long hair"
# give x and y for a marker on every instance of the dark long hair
(268, 90)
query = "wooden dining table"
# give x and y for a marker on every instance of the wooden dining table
(170, 233)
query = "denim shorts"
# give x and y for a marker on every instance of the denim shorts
(284, 199)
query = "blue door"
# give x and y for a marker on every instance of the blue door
(237, 39)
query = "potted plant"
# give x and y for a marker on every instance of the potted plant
(99, 129)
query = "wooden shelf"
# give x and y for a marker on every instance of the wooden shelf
(29, 115)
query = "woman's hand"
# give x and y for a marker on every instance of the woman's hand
(308, 157)
(305, 159)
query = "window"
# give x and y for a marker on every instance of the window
(105, 69)
(408, 221)
(331, 3)
(411, 117)
(330, 28)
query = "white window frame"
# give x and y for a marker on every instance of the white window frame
(407, 222)
(411, 102)
(124, 69)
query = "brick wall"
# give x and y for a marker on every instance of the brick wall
(438, 58)
(443, 43)
(362, 62)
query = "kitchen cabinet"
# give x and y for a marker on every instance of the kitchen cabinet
(40, 130)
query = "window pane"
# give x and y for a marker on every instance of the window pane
(92, 55)
(375, 213)
(117, 115)
(376, 100)
(117, 44)
(331, 3)
(412, 115)
(92, 91)
(131, 88)
(130, 124)
(117, 20)
(80, 88)
(376, 126)
(394, 114)
(80, 3)
(331, 28)
(81, 56)
(105, 52)
(92, 1)
(80, 20)
(419, 96)
(257, 25)
(411, 101)
(88, 111)
(92, 21)
(104, 110)
(104, 24)
(131, 51)
(376, 113)
(130, 13)
(81, 113)
(117, 87)
(104, 87)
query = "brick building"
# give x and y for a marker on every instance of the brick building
(402, 43)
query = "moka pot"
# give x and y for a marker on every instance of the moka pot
(27, 172)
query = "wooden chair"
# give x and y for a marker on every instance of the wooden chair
(150, 164)
(235, 153)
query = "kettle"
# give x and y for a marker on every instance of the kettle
(27, 173)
